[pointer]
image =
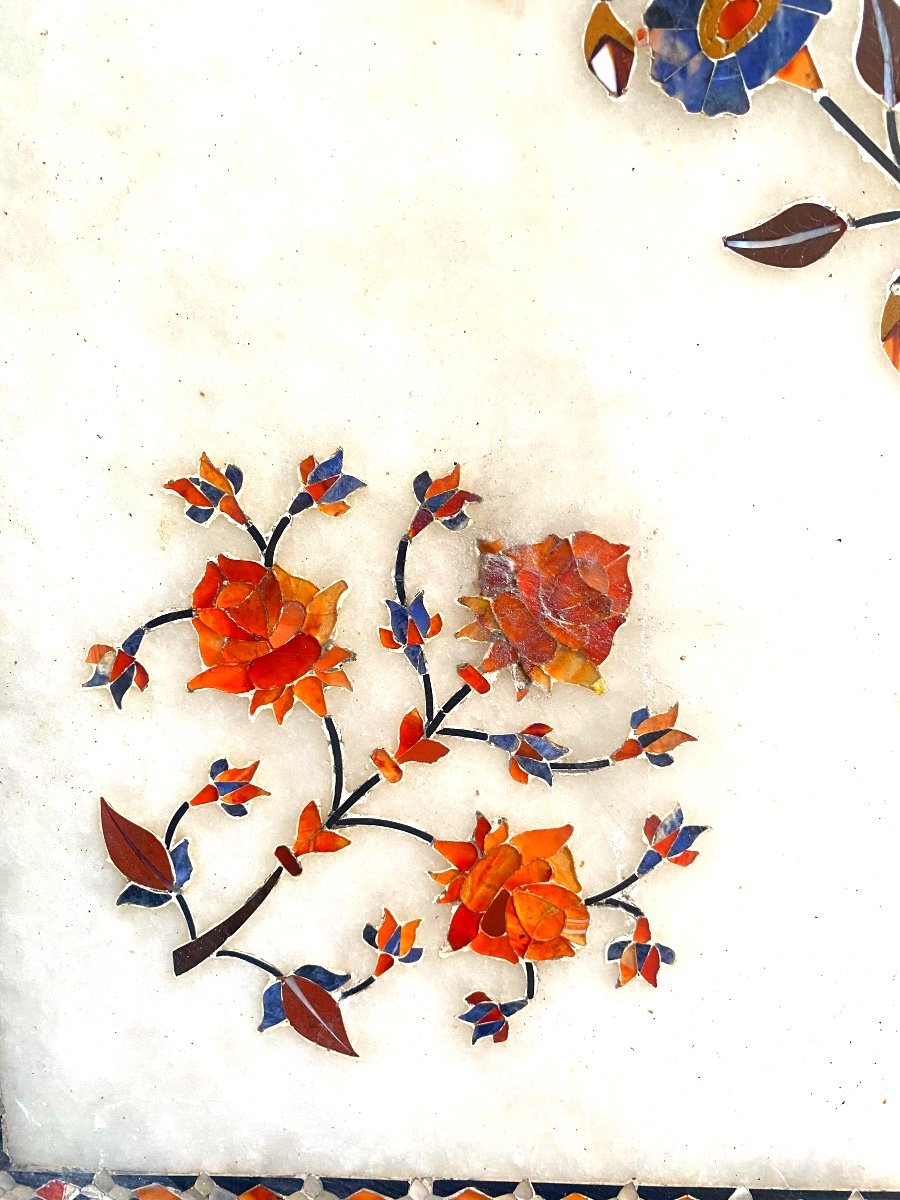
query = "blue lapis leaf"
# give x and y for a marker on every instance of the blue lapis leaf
(412, 956)
(650, 860)
(235, 476)
(273, 1006)
(421, 484)
(512, 1006)
(235, 810)
(326, 979)
(615, 950)
(488, 1029)
(660, 760)
(328, 468)
(370, 936)
(666, 954)
(143, 897)
(342, 487)
(200, 515)
(460, 521)
(132, 643)
(120, 686)
(539, 770)
(220, 765)
(181, 861)
(638, 716)
(504, 741)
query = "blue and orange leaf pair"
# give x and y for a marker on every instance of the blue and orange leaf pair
(326, 485)
(411, 625)
(639, 955)
(230, 787)
(440, 500)
(210, 491)
(654, 736)
(396, 943)
(530, 752)
(488, 1018)
(413, 746)
(670, 839)
(117, 668)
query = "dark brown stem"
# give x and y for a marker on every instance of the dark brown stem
(199, 949)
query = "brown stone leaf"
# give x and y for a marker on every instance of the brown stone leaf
(878, 49)
(315, 1014)
(137, 853)
(795, 237)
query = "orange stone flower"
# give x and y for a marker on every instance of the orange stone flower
(267, 633)
(550, 611)
(518, 897)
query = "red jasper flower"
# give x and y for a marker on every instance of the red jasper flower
(550, 611)
(638, 955)
(267, 633)
(517, 897)
(395, 942)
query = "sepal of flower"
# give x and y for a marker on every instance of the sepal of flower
(395, 942)
(441, 500)
(413, 746)
(639, 955)
(231, 787)
(210, 491)
(150, 898)
(273, 997)
(411, 625)
(117, 668)
(325, 485)
(488, 1018)
(530, 752)
(670, 839)
(654, 736)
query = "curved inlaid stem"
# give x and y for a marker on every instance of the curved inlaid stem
(601, 897)
(358, 987)
(256, 535)
(337, 760)
(879, 218)
(252, 960)
(199, 949)
(384, 823)
(177, 816)
(187, 914)
(530, 980)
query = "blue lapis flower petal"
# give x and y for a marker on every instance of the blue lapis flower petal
(419, 614)
(775, 45)
(660, 760)
(650, 860)
(686, 839)
(143, 897)
(416, 657)
(666, 954)
(689, 84)
(393, 943)
(200, 515)
(342, 487)
(181, 860)
(672, 14)
(413, 955)
(641, 953)
(639, 716)
(370, 936)
(821, 7)
(326, 979)
(273, 1006)
(669, 824)
(547, 749)
(235, 810)
(235, 476)
(615, 950)
(727, 92)
(433, 503)
(399, 621)
(132, 643)
(672, 50)
(100, 678)
(421, 484)
(512, 1006)
(460, 521)
(209, 490)
(328, 468)
(488, 1029)
(220, 765)
(120, 686)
